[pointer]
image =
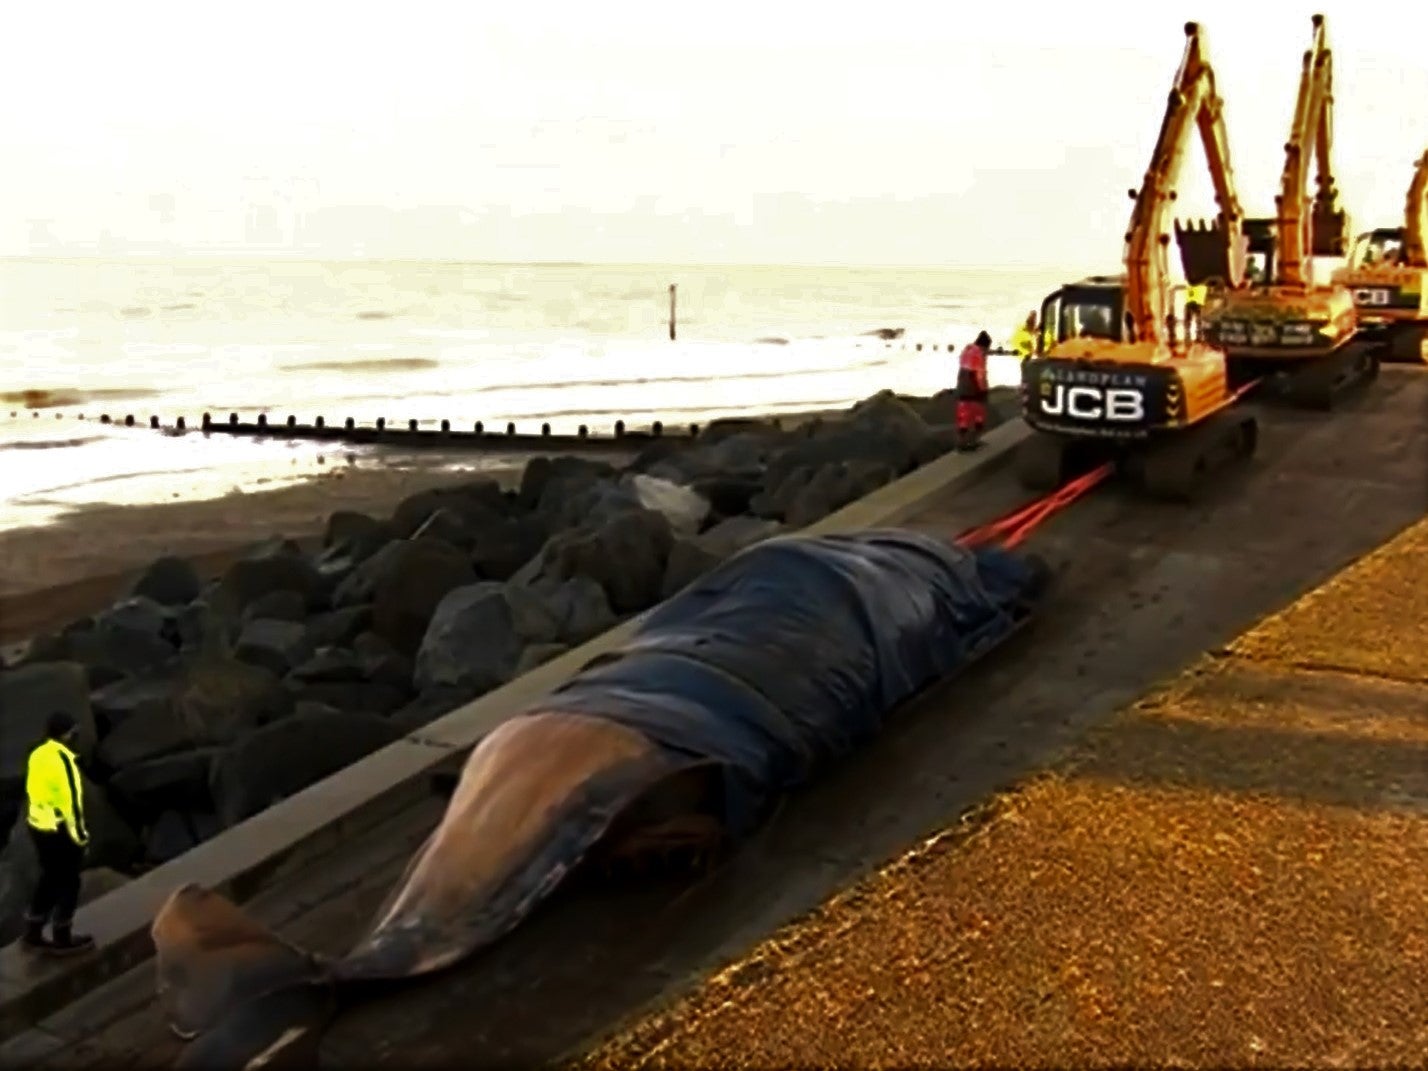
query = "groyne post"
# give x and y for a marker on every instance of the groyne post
(672, 287)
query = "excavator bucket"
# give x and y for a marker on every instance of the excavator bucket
(1330, 229)
(1205, 252)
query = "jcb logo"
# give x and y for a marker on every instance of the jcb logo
(1373, 295)
(1119, 404)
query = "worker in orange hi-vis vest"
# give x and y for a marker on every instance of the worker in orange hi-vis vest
(972, 391)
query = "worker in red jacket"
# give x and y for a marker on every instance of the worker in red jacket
(972, 390)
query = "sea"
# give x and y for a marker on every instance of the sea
(564, 344)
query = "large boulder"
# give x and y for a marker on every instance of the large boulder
(274, 644)
(404, 582)
(883, 429)
(547, 481)
(169, 581)
(116, 703)
(339, 627)
(888, 413)
(728, 496)
(688, 561)
(468, 507)
(724, 451)
(571, 505)
(499, 549)
(130, 638)
(277, 606)
(150, 732)
(578, 606)
(198, 626)
(270, 568)
(626, 556)
(220, 699)
(380, 662)
(471, 642)
(356, 534)
(811, 492)
(178, 780)
(283, 758)
(329, 664)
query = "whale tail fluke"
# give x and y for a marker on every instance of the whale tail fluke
(238, 992)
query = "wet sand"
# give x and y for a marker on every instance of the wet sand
(51, 574)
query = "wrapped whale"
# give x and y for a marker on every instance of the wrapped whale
(727, 696)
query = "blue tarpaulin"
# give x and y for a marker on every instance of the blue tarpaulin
(794, 651)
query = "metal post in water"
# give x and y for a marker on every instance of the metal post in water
(671, 311)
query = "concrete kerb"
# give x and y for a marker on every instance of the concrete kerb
(293, 833)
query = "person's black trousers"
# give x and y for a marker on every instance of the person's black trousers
(61, 866)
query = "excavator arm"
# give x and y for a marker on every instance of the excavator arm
(1193, 102)
(1415, 221)
(1302, 234)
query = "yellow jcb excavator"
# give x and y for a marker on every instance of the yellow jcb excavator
(1387, 274)
(1113, 377)
(1282, 324)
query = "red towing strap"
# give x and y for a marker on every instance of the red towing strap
(1012, 529)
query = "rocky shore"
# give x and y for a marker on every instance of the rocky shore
(202, 703)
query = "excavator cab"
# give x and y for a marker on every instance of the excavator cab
(1091, 308)
(1377, 248)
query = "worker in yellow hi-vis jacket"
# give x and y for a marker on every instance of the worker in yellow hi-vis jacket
(1023, 341)
(57, 826)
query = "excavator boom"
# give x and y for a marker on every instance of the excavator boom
(1193, 100)
(1300, 233)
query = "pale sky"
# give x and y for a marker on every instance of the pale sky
(982, 133)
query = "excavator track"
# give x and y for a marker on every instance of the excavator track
(1041, 462)
(1047, 461)
(1318, 384)
(1178, 468)
(1173, 467)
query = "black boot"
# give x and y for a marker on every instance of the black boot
(69, 943)
(34, 937)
